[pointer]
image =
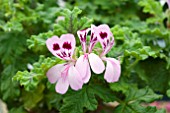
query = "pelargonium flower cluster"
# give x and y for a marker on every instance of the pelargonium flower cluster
(76, 72)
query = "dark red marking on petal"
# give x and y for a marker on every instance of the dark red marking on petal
(107, 41)
(85, 36)
(67, 45)
(69, 54)
(59, 55)
(56, 47)
(81, 38)
(104, 44)
(64, 54)
(103, 35)
(95, 39)
(92, 36)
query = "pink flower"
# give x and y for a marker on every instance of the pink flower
(89, 59)
(168, 2)
(64, 74)
(102, 34)
(106, 39)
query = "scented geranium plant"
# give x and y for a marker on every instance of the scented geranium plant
(76, 72)
(84, 56)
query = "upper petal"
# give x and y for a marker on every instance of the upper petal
(68, 45)
(62, 47)
(62, 85)
(82, 34)
(96, 63)
(53, 45)
(104, 36)
(113, 70)
(54, 73)
(168, 2)
(74, 78)
(93, 38)
(82, 65)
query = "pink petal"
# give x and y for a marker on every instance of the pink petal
(104, 36)
(53, 45)
(168, 2)
(96, 63)
(62, 85)
(113, 70)
(68, 45)
(82, 65)
(62, 47)
(82, 34)
(93, 38)
(54, 73)
(74, 78)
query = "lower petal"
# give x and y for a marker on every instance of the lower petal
(62, 86)
(88, 74)
(82, 66)
(96, 63)
(54, 73)
(74, 78)
(113, 70)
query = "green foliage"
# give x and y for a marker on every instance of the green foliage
(134, 98)
(18, 110)
(8, 88)
(153, 7)
(31, 79)
(70, 24)
(33, 97)
(142, 44)
(76, 101)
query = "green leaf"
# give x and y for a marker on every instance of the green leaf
(31, 98)
(74, 102)
(155, 74)
(134, 99)
(18, 110)
(71, 24)
(141, 95)
(31, 79)
(8, 88)
(37, 42)
(53, 100)
(11, 48)
(13, 26)
(153, 7)
(136, 108)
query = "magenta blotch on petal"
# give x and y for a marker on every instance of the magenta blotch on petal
(56, 46)
(67, 45)
(103, 35)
